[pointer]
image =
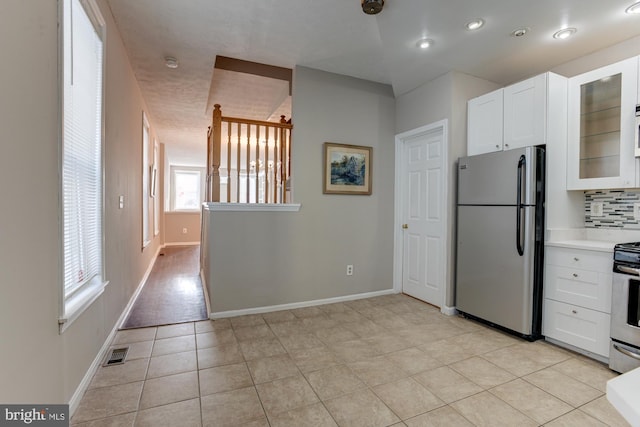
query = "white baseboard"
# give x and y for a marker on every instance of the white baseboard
(166, 245)
(291, 306)
(203, 281)
(88, 376)
(449, 311)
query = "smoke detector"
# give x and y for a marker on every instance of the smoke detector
(372, 7)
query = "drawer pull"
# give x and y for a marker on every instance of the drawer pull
(574, 311)
(575, 274)
(627, 352)
(576, 259)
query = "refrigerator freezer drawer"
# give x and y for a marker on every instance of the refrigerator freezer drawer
(493, 282)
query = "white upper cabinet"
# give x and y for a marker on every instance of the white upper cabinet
(601, 121)
(484, 123)
(525, 112)
(516, 116)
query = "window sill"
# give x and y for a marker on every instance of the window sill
(183, 211)
(79, 302)
(252, 207)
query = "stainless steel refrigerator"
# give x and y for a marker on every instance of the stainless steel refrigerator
(500, 239)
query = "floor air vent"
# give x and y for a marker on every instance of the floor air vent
(116, 356)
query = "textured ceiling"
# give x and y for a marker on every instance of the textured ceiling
(335, 36)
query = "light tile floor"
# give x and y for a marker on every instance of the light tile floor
(384, 361)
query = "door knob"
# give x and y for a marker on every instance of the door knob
(405, 226)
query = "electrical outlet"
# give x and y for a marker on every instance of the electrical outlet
(350, 270)
(184, 230)
(597, 209)
(636, 211)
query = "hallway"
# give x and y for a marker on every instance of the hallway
(172, 293)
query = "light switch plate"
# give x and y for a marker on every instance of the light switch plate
(597, 209)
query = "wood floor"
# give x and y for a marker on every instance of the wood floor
(173, 292)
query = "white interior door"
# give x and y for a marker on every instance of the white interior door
(422, 213)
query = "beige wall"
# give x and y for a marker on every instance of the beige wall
(444, 98)
(38, 364)
(260, 259)
(174, 222)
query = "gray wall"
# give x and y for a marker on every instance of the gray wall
(600, 58)
(444, 98)
(260, 259)
(42, 365)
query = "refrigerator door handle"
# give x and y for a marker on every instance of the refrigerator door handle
(522, 162)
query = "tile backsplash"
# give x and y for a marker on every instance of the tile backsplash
(617, 209)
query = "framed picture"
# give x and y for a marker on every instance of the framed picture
(347, 169)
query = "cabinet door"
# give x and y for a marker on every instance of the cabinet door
(580, 327)
(484, 123)
(525, 110)
(601, 127)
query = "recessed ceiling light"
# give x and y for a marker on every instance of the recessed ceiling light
(424, 43)
(634, 8)
(170, 62)
(565, 33)
(520, 32)
(475, 24)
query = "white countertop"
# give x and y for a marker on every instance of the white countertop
(594, 239)
(623, 392)
(592, 245)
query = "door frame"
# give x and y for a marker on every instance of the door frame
(398, 240)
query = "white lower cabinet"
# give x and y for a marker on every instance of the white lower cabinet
(577, 326)
(577, 303)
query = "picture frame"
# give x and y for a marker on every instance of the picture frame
(347, 169)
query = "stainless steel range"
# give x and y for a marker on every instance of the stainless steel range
(624, 354)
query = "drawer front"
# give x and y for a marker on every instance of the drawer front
(583, 288)
(580, 327)
(582, 259)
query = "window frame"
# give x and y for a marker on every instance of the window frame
(146, 183)
(201, 171)
(73, 303)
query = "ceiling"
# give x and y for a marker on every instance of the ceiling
(336, 36)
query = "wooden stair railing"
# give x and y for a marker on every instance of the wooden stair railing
(255, 150)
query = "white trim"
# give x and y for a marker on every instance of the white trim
(397, 220)
(78, 303)
(129, 306)
(279, 307)
(252, 207)
(74, 402)
(181, 244)
(448, 311)
(203, 282)
(575, 349)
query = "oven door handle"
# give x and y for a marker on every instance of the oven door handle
(628, 270)
(627, 352)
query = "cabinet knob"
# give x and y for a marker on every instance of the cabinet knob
(576, 259)
(575, 274)
(506, 145)
(574, 311)
(497, 146)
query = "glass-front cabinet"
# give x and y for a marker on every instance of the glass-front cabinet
(601, 127)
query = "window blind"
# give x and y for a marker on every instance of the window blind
(81, 152)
